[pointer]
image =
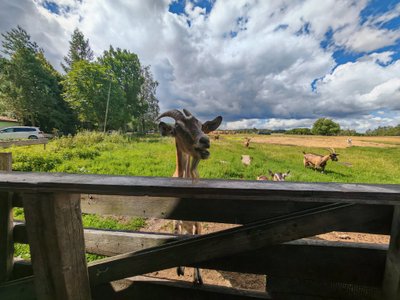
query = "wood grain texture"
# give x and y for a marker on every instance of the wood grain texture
(232, 211)
(203, 189)
(352, 263)
(229, 242)
(391, 282)
(6, 223)
(55, 234)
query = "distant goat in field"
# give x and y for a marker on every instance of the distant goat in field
(318, 162)
(274, 176)
(247, 142)
(216, 137)
(349, 142)
(191, 142)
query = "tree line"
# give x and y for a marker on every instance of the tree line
(111, 92)
(328, 127)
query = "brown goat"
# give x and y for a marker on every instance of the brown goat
(318, 162)
(191, 142)
(247, 142)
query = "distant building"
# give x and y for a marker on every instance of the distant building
(6, 121)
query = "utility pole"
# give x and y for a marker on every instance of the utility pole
(108, 102)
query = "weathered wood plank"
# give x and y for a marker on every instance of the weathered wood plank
(6, 236)
(353, 263)
(291, 288)
(142, 287)
(211, 210)
(21, 289)
(212, 189)
(229, 242)
(55, 233)
(391, 282)
(6, 223)
(6, 144)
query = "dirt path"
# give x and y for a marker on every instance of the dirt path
(328, 141)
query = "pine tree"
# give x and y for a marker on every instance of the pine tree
(79, 49)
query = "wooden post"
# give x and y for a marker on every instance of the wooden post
(6, 224)
(391, 280)
(55, 233)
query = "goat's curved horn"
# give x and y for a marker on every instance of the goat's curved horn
(174, 114)
(187, 113)
(331, 150)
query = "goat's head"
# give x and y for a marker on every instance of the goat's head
(279, 176)
(333, 155)
(189, 132)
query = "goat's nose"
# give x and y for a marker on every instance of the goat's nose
(205, 141)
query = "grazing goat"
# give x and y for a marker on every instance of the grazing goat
(191, 142)
(349, 142)
(275, 176)
(317, 161)
(247, 142)
(216, 137)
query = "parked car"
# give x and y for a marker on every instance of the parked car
(20, 132)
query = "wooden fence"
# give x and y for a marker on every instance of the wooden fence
(9, 143)
(276, 221)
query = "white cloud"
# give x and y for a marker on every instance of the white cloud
(250, 60)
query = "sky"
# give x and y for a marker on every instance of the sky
(274, 64)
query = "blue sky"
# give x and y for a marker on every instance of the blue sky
(265, 64)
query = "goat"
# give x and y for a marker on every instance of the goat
(349, 142)
(317, 161)
(191, 142)
(246, 160)
(247, 142)
(216, 137)
(279, 176)
(275, 176)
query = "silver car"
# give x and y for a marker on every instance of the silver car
(20, 132)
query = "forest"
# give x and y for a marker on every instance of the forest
(111, 92)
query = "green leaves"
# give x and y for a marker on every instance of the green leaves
(325, 126)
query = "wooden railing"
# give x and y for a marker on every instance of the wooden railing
(276, 220)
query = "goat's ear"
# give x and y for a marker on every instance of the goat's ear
(166, 129)
(271, 173)
(211, 125)
(288, 172)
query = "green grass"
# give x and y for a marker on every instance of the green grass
(96, 153)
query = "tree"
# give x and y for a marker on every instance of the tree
(30, 87)
(79, 49)
(124, 66)
(299, 131)
(324, 126)
(148, 100)
(86, 89)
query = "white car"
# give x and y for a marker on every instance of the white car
(20, 132)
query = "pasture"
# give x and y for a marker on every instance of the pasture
(96, 153)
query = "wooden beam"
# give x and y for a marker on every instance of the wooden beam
(391, 282)
(203, 189)
(292, 288)
(21, 289)
(6, 144)
(352, 263)
(55, 233)
(229, 242)
(6, 223)
(213, 210)
(142, 287)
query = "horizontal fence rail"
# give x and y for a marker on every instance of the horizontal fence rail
(276, 220)
(201, 189)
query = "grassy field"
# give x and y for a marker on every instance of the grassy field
(95, 153)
